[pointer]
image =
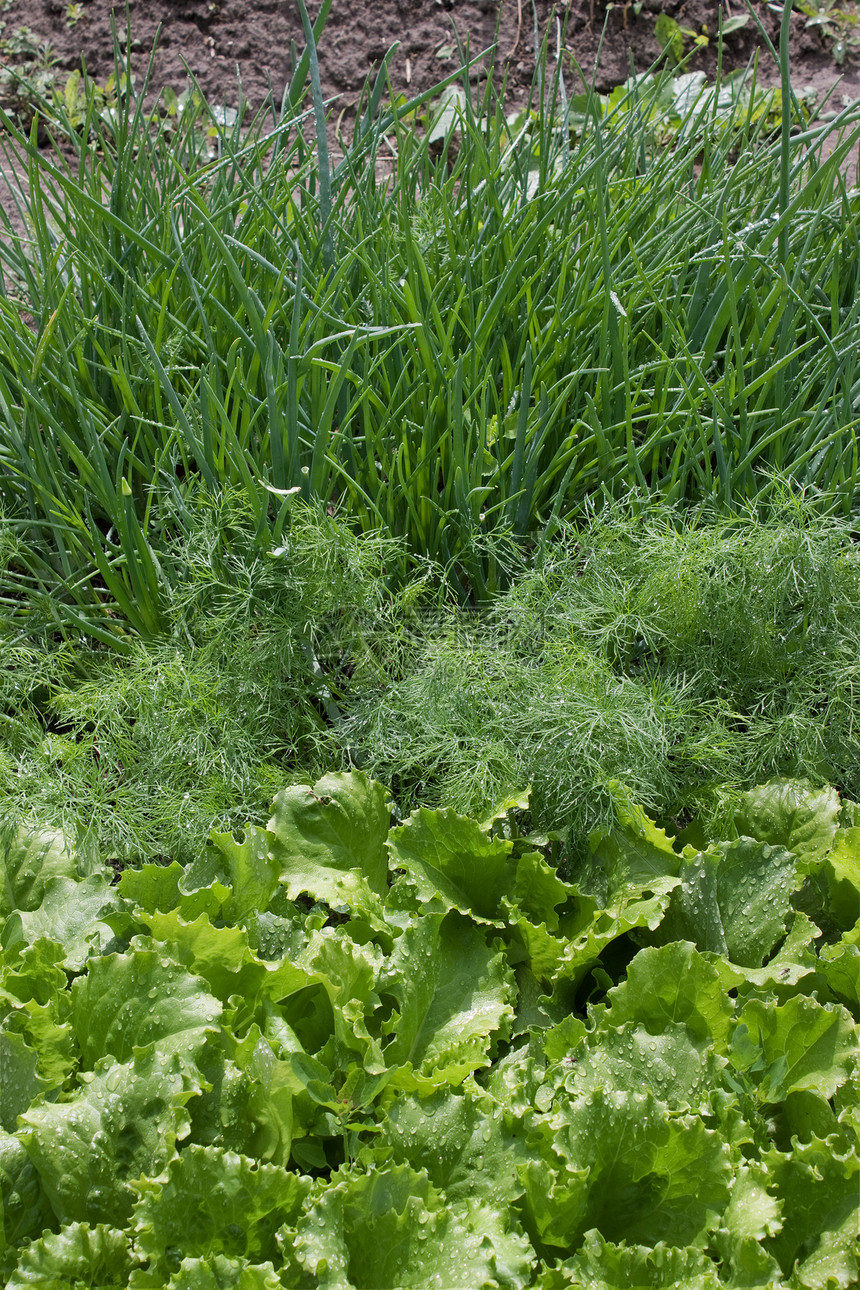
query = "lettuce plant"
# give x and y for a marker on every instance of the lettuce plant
(341, 1052)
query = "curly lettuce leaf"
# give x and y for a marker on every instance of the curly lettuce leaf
(538, 892)
(794, 959)
(592, 927)
(23, 1204)
(214, 1202)
(157, 888)
(77, 1255)
(841, 872)
(220, 955)
(546, 956)
(840, 966)
(459, 1138)
(633, 854)
(803, 1115)
(20, 1081)
(798, 1045)
(819, 1186)
(52, 1042)
(352, 975)
(672, 985)
(791, 813)
(619, 1163)
(34, 1005)
(393, 1229)
(124, 1122)
(454, 993)
(71, 914)
(733, 900)
(329, 842)
(517, 1078)
(127, 1002)
(451, 857)
(35, 973)
(247, 869)
(248, 1104)
(626, 884)
(677, 1068)
(222, 1273)
(281, 935)
(623, 1267)
(30, 857)
(753, 1214)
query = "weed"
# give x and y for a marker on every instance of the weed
(28, 75)
(837, 21)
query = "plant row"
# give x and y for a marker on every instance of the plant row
(456, 349)
(336, 1052)
(687, 655)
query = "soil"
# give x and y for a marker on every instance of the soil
(219, 41)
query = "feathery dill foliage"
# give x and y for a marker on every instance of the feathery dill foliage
(686, 654)
(152, 747)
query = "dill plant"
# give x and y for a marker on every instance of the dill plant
(686, 654)
(152, 747)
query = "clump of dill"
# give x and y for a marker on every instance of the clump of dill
(685, 653)
(151, 749)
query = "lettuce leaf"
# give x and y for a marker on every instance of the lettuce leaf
(678, 1069)
(23, 1203)
(801, 1044)
(71, 914)
(214, 1202)
(453, 992)
(124, 1122)
(459, 1138)
(30, 857)
(619, 1163)
(791, 813)
(617, 1267)
(672, 985)
(819, 1185)
(392, 1229)
(329, 842)
(127, 1002)
(733, 900)
(77, 1255)
(841, 872)
(222, 1273)
(449, 856)
(247, 871)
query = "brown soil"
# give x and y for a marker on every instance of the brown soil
(219, 40)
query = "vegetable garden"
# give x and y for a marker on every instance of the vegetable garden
(472, 498)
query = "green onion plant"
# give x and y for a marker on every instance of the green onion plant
(457, 348)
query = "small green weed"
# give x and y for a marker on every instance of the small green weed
(28, 75)
(677, 41)
(838, 22)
